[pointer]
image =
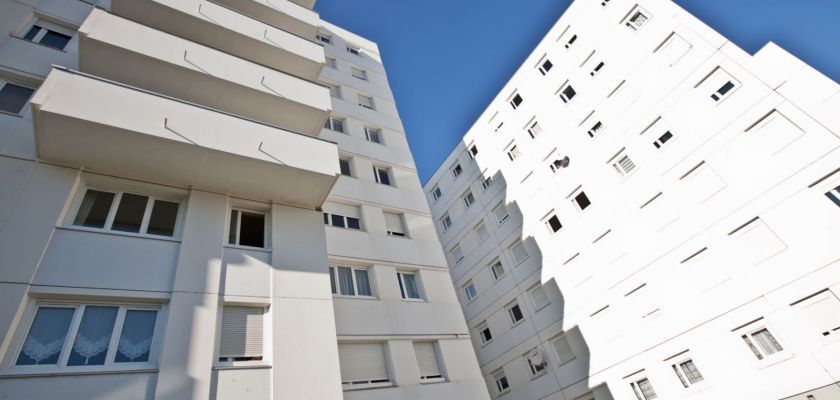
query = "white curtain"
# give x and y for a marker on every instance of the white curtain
(46, 336)
(363, 283)
(136, 337)
(345, 281)
(94, 336)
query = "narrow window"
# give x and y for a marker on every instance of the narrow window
(597, 68)
(638, 17)
(722, 91)
(515, 313)
(567, 93)
(469, 290)
(571, 41)
(513, 152)
(643, 389)
(394, 224)
(428, 363)
(469, 199)
(446, 222)
(658, 143)
(408, 285)
(498, 270)
(501, 381)
(545, 66)
(49, 34)
(344, 166)
(335, 124)
(473, 151)
(242, 334)
(516, 101)
(373, 135)
(359, 73)
(687, 372)
(382, 175)
(247, 228)
(534, 129)
(536, 364)
(341, 221)
(595, 129)
(484, 333)
(13, 97)
(457, 254)
(436, 193)
(456, 171)
(350, 281)
(553, 224)
(581, 201)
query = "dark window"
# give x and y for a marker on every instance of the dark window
(568, 94)
(353, 223)
(474, 150)
(344, 165)
(252, 230)
(486, 334)
(14, 97)
(326, 219)
(55, 40)
(516, 101)
(130, 212)
(554, 223)
(546, 66)
(338, 220)
(382, 176)
(516, 313)
(162, 220)
(571, 41)
(597, 68)
(723, 90)
(582, 201)
(662, 139)
(94, 209)
(834, 196)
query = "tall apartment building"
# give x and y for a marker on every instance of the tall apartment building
(647, 211)
(213, 199)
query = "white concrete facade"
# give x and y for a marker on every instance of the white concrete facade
(700, 262)
(175, 222)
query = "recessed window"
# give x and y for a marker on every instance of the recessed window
(519, 253)
(497, 269)
(325, 38)
(428, 363)
(350, 281)
(515, 313)
(643, 389)
(374, 135)
(473, 151)
(335, 124)
(345, 165)
(567, 93)
(595, 129)
(563, 349)
(581, 200)
(49, 34)
(70, 335)
(359, 73)
(382, 175)
(502, 384)
(363, 365)
(335, 91)
(762, 343)
(723, 90)
(597, 68)
(687, 372)
(513, 152)
(481, 232)
(823, 311)
(366, 101)
(247, 228)
(515, 101)
(353, 50)
(553, 224)
(469, 199)
(395, 224)
(127, 212)
(484, 333)
(720, 83)
(571, 41)
(624, 165)
(499, 127)
(457, 170)
(534, 130)
(331, 62)
(469, 290)
(501, 213)
(13, 97)
(637, 18)
(559, 163)
(536, 364)
(436, 193)
(659, 142)
(409, 289)
(341, 221)
(457, 254)
(545, 66)
(538, 296)
(446, 222)
(486, 182)
(242, 334)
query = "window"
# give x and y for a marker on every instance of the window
(127, 212)
(409, 288)
(559, 163)
(567, 93)
(722, 91)
(658, 143)
(687, 372)
(513, 152)
(720, 83)
(597, 68)
(545, 66)
(581, 201)
(242, 334)
(571, 41)
(597, 128)
(353, 50)
(363, 365)
(359, 73)
(501, 213)
(335, 91)
(247, 228)
(519, 252)
(457, 254)
(366, 101)
(331, 62)
(515, 313)
(382, 175)
(604, 3)
(427, 363)
(325, 38)
(553, 224)
(344, 164)
(469, 290)
(481, 232)
(473, 151)
(350, 281)
(395, 224)
(486, 182)
(78, 335)
(637, 18)
(643, 389)
(456, 171)
(536, 364)
(374, 135)
(335, 124)
(497, 269)
(13, 97)
(762, 343)
(534, 129)
(515, 101)
(436, 193)
(484, 333)
(340, 221)
(624, 165)
(469, 199)
(446, 222)
(49, 34)
(538, 296)
(498, 127)
(563, 349)
(502, 384)
(823, 311)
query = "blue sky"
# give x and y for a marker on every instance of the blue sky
(446, 59)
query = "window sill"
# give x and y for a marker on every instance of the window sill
(344, 229)
(116, 233)
(432, 381)
(344, 296)
(398, 236)
(240, 247)
(40, 44)
(539, 375)
(20, 372)
(371, 386)
(778, 359)
(241, 365)
(414, 300)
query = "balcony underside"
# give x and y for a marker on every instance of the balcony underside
(283, 14)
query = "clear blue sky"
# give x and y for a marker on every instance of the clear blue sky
(446, 59)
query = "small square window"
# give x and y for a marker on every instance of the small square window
(344, 165)
(538, 296)
(762, 343)
(571, 41)
(545, 66)
(516, 101)
(382, 175)
(409, 288)
(446, 222)
(658, 143)
(353, 50)
(456, 170)
(366, 102)
(247, 228)
(13, 97)
(501, 213)
(581, 201)
(536, 364)
(473, 151)
(335, 124)
(242, 334)
(457, 254)
(624, 165)
(515, 313)
(513, 152)
(374, 135)
(502, 384)
(563, 349)
(534, 130)
(126, 212)
(484, 333)
(481, 232)
(497, 269)
(469, 199)
(323, 37)
(436, 193)
(687, 372)
(486, 182)
(596, 129)
(553, 224)
(559, 163)
(643, 389)
(604, 3)
(359, 73)
(519, 252)
(567, 93)
(335, 91)
(638, 17)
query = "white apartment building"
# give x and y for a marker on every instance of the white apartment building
(647, 211)
(213, 199)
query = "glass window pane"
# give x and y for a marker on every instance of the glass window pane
(94, 336)
(252, 230)
(767, 342)
(234, 216)
(55, 39)
(362, 283)
(94, 209)
(136, 337)
(130, 213)
(345, 281)
(14, 97)
(32, 32)
(411, 286)
(162, 221)
(353, 223)
(344, 165)
(338, 220)
(332, 280)
(46, 336)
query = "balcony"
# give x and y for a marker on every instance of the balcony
(227, 30)
(125, 51)
(283, 14)
(88, 122)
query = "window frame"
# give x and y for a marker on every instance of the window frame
(531, 290)
(446, 222)
(331, 124)
(69, 221)
(403, 225)
(266, 227)
(677, 367)
(637, 26)
(596, 129)
(744, 335)
(404, 293)
(534, 129)
(368, 99)
(328, 221)
(498, 376)
(363, 75)
(541, 66)
(659, 143)
(513, 253)
(616, 163)
(266, 322)
(377, 170)
(567, 97)
(576, 202)
(324, 38)
(371, 133)
(534, 368)
(497, 276)
(23, 108)
(353, 49)
(333, 271)
(509, 308)
(466, 288)
(469, 199)
(350, 170)
(481, 328)
(640, 394)
(549, 223)
(335, 91)
(564, 337)
(46, 27)
(477, 229)
(507, 214)
(513, 152)
(516, 100)
(436, 193)
(331, 62)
